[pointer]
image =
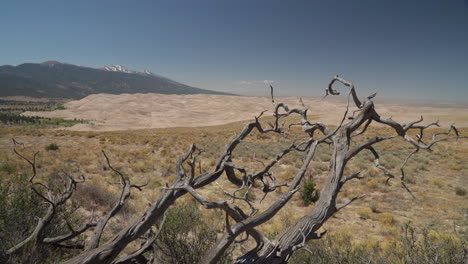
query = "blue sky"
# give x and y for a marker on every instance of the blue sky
(402, 49)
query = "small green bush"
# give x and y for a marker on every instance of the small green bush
(186, 236)
(20, 208)
(310, 194)
(250, 195)
(52, 147)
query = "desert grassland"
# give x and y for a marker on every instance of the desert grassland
(438, 179)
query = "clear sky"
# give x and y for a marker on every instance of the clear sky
(402, 49)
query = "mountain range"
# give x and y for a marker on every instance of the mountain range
(54, 79)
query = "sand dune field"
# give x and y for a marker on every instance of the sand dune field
(140, 111)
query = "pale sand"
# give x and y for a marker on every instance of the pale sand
(140, 111)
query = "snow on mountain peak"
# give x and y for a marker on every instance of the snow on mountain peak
(117, 68)
(120, 68)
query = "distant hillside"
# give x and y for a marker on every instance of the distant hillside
(61, 80)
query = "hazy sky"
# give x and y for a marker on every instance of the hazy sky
(402, 49)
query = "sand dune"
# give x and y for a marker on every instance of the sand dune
(139, 111)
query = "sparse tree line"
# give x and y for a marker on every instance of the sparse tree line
(11, 110)
(18, 102)
(21, 109)
(15, 105)
(9, 118)
(239, 223)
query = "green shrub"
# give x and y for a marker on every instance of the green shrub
(309, 192)
(250, 195)
(186, 236)
(52, 147)
(20, 209)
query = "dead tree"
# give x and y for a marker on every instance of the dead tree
(238, 221)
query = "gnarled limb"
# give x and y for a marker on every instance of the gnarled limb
(72, 234)
(332, 91)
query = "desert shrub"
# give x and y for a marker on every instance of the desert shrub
(428, 246)
(410, 178)
(423, 167)
(321, 167)
(460, 191)
(373, 206)
(364, 213)
(432, 247)
(373, 172)
(92, 195)
(186, 236)
(52, 146)
(20, 209)
(287, 174)
(310, 194)
(8, 168)
(339, 247)
(373, 184)
(387, 219)
(438, 183)
(250, 195)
